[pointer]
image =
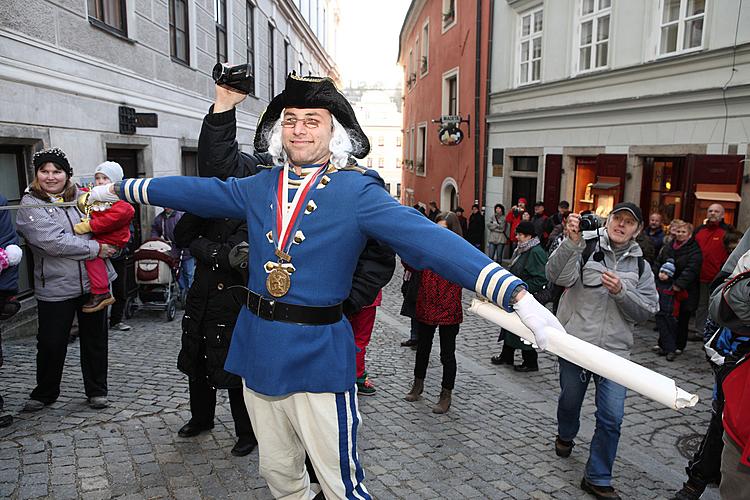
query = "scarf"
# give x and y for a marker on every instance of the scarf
(523, 248)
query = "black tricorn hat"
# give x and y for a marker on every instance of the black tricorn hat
(312, 92)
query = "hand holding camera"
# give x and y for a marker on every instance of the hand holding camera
(574, 227)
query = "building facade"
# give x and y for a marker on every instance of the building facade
(379, 114)
(74, 73)
(442, 49)
(601, 101)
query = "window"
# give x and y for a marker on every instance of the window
(450, 92)
(250, 39)
(411, 75)
(300, 68)
(190, 163)
(381, 141)
(381, 162)
(498, 158)
(594, 34)
(420, 167)
(407, 150)
(178, 31)
(109, 14)
(412, 147)
(287, 62)
(530, 47)
(220, 18)
(398, 190)
(397, 163)
(425, 53)
(681, 25)
(525, 163)
(271, 69)
(449, 14)
(369, 162)
(388, 187)
(398, 141)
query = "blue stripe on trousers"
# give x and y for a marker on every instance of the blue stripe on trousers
(344, 445)
(359, 473)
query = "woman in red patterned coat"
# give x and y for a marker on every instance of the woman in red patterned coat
(438, 305)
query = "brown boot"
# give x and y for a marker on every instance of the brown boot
(416, 389)
(444, 402)
(97, 302)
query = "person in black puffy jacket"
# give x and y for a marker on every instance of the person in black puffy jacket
(210, 315)
(688, 258)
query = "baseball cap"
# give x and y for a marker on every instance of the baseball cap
(629, 207)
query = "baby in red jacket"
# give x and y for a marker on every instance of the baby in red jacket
(110, 224)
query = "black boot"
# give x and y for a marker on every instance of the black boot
(245, 445)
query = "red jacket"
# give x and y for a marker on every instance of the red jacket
(438, 300)
(737, 407)
(710, 237)
(514, 222)
(112, 226)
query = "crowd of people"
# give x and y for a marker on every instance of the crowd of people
(282, 318)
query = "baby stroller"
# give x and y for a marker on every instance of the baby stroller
(156, 277)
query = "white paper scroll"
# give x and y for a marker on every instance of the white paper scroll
(595, 359)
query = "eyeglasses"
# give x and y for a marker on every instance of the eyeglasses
(292, 122)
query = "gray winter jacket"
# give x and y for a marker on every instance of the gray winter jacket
(587, 310)
(59, 254)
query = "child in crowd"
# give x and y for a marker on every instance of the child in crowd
(110, 224)
(669, 309)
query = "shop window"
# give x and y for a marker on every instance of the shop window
(530, 46)
(681, 26)
(594, 34)
(109, 14)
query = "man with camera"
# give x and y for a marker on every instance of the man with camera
(609, 291)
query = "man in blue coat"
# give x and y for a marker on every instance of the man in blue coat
(309, 218)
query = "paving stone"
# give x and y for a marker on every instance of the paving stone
(495, 442)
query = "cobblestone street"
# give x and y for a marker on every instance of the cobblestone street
(495, 442)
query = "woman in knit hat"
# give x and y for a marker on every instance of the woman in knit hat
(527, 262)
(61, 282)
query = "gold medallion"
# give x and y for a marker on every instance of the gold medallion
(278, 282)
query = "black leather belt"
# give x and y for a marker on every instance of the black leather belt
(273, 310)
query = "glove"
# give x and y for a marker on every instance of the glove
(536, 317)
(14, 254)
(82, 227)
(102, 193)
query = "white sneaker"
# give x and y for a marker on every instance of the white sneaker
(120, 326)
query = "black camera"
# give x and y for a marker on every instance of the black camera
(239, 77)
(589, 222)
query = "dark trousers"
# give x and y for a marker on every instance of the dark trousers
(448, 335)
(683, 324)
(203, 407)
(55, 322)
(666, 324)
(705, 466)
(119, 292)
(530, 356)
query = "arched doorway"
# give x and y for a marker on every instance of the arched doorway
(449, 194)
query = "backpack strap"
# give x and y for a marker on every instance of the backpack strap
(589, 251)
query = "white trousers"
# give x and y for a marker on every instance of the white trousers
(323, 425)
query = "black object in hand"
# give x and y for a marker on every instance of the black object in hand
(239, 77)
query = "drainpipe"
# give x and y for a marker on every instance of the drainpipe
(485, 152)
(477, 101)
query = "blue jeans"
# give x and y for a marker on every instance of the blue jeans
(495, 251)
(187, 270)
(610, 408)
